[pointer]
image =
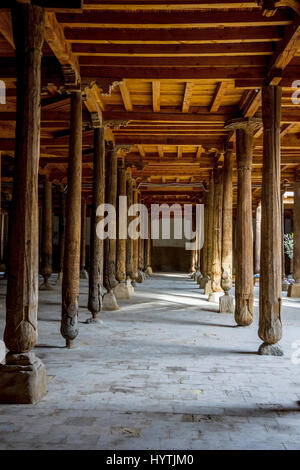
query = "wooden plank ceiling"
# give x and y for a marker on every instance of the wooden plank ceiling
(181, 69)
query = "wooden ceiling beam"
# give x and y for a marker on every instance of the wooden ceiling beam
(6, 27)
(160, 151)
(126, 96)
(54, 35)
(175, 35)
(164, 5)
(141, 151)
(188, 92)
(156, 96)
(175, 19)
(217, 98)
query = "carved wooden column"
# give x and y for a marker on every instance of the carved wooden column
(96, 242)
(257, 238)
(244, 295)
(285, 283)
(110, 282)
(83, 272)
(135, 244)
(270, 300)
(123, 289)
(62, 234)
(192, 262)
(207, 286)
(148, 268)
(23, 376)
(141, 275)
(129, 241)
(70, 285)
(294, 289)
(226, 301)
(217, 238)
(47, 243)
(197, 275)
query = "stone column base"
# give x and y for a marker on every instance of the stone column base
(285, 286)
(122, 291)
(149, 271)
(202, 282)
(45, 286)
(110, 302)
(207, 287)
(226, 304)
(294, 290)
(266, 349)
(140, 278)
(22, 379)
(215, 296)
(59, 279)
(198, 279)
(83, 274)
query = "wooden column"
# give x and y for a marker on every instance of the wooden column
(217, 237)
(207, 287)
(83, 272)
(110, 281)
(244, 229)
(70, 285)
(270, 300)
(226, 302)
(285, 283)
(62, 234)
(257, 238)
(23, 377)
(47, 243)
(294, 289)
(110, 198)
(192, 261)
(141, 276)
(124, 288)
(129, 241)
(135, 244)
(96, 243)
(148, 267)
(203, 280)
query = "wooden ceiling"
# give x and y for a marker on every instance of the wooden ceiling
(180, 70)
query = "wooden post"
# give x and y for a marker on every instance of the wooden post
(257, 238)
(203, 280)
(129, 241)
(192, 262)
(47, 244)
(217, 237)
(23, 377)
(96, 243)
(124, 288)
(294, 289)
(226, 301)
(207, 286)
(110, 282)
(244, 230)
(83, 272)
(270, 300)
(284, 284)
(70, 285)
(148, 268)
(141, 276)
(135, 244)
(62, 234)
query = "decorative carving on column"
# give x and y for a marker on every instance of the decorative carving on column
(270, 300)
(23, 376)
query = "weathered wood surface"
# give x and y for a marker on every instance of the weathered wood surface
(217, 231)
(62, 234)
(96, 243)
(129, 241)
(135, 243)
(257, 238)
(83, 273)
(22, 289)
(270, 297)
(70, 285)
(121, 242)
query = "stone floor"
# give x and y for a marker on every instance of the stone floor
(164, 372)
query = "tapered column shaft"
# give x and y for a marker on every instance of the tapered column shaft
(204, 249)
(96, 243)
(135, 243)
(22, 290)
(121, 243)
(210, 224)
(70, 285)
(227, 222)
(141, 243)
(129, 241)
(296, 222)
(270, 300)
(47, 244)
(83, 236)
(62, 233)
(257, 238)
(244, 230)
(110, 198)
(217, 231)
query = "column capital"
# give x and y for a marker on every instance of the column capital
(250, 123)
